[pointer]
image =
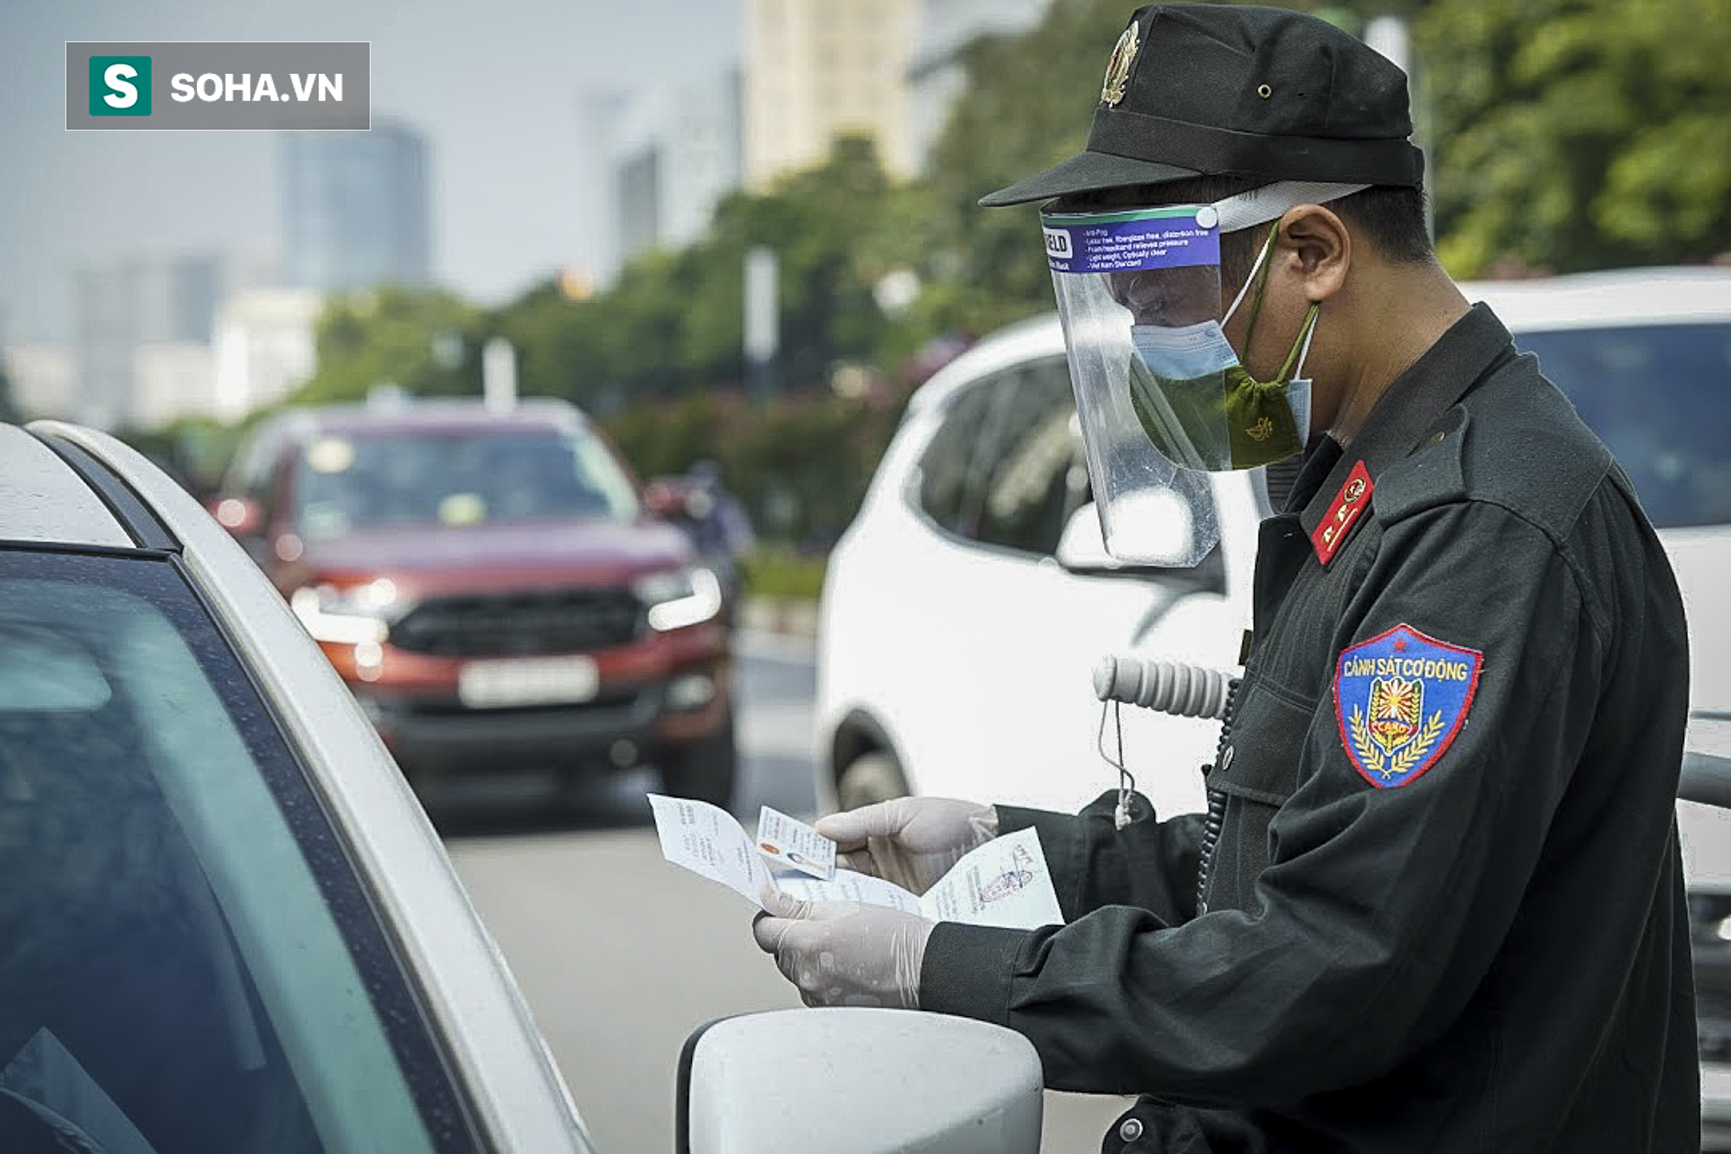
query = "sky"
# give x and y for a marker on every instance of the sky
(496, 86)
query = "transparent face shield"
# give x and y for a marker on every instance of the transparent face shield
(1161, 396)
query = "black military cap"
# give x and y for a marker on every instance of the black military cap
(1204, 89)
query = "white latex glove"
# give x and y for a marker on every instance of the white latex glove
(911, 841)
(845, 953)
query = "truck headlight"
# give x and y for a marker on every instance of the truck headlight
(680, 597)
(351, 616)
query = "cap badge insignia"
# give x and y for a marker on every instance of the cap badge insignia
(1118, 68)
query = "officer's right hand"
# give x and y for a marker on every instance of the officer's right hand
(911, 841)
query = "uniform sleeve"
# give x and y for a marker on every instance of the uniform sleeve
(1150, 863)
(1381, 908)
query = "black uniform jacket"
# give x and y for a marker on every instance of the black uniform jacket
(1444, 908)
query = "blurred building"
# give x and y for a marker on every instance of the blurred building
(703, 156)
(42, 379)
(128, 304)
(355, 208)
(819, 69)
(171, 379)
(936, 75)
(638, 197)
(595, 200)
(263, 349)
(676, 154)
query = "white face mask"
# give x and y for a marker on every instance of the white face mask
(1185, 352)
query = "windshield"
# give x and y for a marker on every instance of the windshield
(456, 479)
(1660, 397)
(187, 965)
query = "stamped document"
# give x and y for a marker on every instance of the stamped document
(1003, 883)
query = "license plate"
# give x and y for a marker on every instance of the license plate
(527, 681)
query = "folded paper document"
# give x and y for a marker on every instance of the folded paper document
(1004, 882)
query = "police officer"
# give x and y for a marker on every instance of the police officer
(1437, 901)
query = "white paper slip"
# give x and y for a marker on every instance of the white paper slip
(848, 886)
(706, 840)
(1004, 883)
(786, 841)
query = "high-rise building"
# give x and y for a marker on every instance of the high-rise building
(123, 306)
(702, 156)
(355, 208)
(263, 348)
(43, 381)
(639, 199)
(819, 69)
(936, 74)
(600, 113)
(170, 379)
(675, 153)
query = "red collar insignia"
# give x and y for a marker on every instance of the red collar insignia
(1343, 513)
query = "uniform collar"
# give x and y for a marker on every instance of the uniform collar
(1407, 411)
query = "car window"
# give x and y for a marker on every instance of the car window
(943, 477)
(188, 964)
(1660, 397)
(1006, 467)
(351, 481)
(1031, 473)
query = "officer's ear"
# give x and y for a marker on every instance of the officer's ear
(1318, 247)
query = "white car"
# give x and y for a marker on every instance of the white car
(966, 607)
(226, 924)
(957, 640)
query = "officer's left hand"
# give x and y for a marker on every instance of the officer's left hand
(845, 953)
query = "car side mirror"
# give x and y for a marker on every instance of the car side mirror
(241, 516)
(1082, 547)
(857, 1081)
(1157, 525)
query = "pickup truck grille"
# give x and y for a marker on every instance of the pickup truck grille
(509, 624)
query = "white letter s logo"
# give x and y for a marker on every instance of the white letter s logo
(116, 77)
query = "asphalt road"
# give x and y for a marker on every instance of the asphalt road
(621, 955)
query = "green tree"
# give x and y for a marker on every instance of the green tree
(1025, 106)
(426, 342)
(1578, 134)
(673, 322)
(556, 337)
(1565, 134)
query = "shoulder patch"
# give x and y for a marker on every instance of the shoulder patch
(1400, 698)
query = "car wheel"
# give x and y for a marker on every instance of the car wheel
(703, 770)
(870, 777)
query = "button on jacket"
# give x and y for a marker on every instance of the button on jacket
(1444, 904)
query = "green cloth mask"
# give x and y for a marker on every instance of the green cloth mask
(1225, 419)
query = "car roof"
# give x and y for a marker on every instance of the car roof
(444, 415)
(1610, 299)
(42, 499)
(1038, 336)
(1615, 297)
